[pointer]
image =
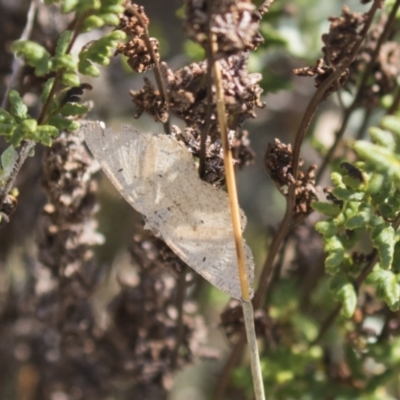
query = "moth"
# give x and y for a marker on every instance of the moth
(157, 175)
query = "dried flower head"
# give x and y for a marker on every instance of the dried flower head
(145, 318)
(149, 100)
(338, 49)
(234, 22)
(134, 23)
(278, 163)
(187, 89)
(68, 272)
(385, 68)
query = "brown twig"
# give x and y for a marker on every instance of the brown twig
(346, 117)
(157, 69)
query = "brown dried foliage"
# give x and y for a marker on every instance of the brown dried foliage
(338, 47)
(187, 88)
(278, 163)
(144, 317)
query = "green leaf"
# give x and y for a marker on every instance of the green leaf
(335, 250)
(63, 43)
(8, 160)
(44, 66)
(386, 211)
(63, 123)
(347, 195)
(100, 51)
(391, 123)
(68, 5)
(18, 109)
(18, 135)
(387, 287)
(386, 188)
(6, 130)
(46, 90)
(328, 209)
(29, 125)
(110, 19)
(382, 138)
(32, 52)
(87, 5)
(87, 68)
(361, 219)
(5, 117)
(383, 239)
(74, 109)
(112, 6)
(375, 184)
(67, 61)
(344, 291)
(327, 228)
(92, 22)
(70, 79)
(48, 130)
(382, 159)
(337, 179)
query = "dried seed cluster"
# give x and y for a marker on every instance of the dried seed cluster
(278, 163)
(385, 68)
(235, 24)
(68, 273)
(338, 47)
(145, 318)
(134, 23)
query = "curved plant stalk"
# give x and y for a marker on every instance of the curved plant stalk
(237, 231)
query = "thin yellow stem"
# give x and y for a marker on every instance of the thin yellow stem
(247, 306)
(231, 181)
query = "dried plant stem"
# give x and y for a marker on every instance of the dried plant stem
(157, 70)
(369, 68)
(237, 231)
